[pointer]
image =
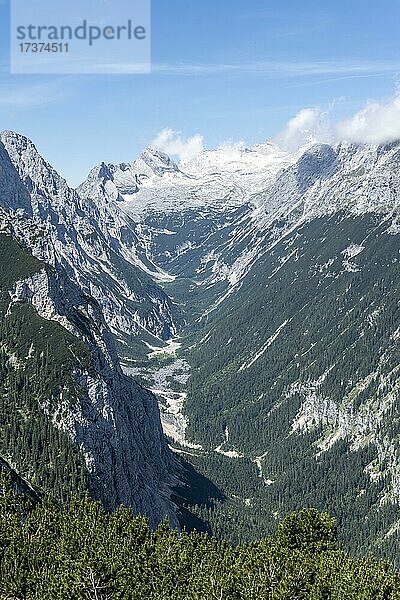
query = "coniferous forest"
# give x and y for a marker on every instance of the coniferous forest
(79, 551)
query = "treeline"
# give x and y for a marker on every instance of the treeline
(79, 551)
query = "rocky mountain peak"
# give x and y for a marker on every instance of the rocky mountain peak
(113, 182)
(13, 194)
(154, 162)
(39, 177)
(318, 162)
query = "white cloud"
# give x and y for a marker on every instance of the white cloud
(173, 143)
(282, 69)
(27, 96)
(376, 123)
(309, 125)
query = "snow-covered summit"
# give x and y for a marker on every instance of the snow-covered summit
(113, 182)
(239, 160)
(216, 179)
(154, 162)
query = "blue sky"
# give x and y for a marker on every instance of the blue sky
(224, 69)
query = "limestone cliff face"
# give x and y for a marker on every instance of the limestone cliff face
(110, 419)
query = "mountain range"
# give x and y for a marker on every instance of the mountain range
(253, 293)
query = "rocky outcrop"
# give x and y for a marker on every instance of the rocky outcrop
(112, 420)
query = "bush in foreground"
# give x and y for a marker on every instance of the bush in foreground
(79, 551)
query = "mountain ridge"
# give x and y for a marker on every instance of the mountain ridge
(106, 426)
(274, 359)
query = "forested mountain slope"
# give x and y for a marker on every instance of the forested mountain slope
(297, 374)
(70, 420)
